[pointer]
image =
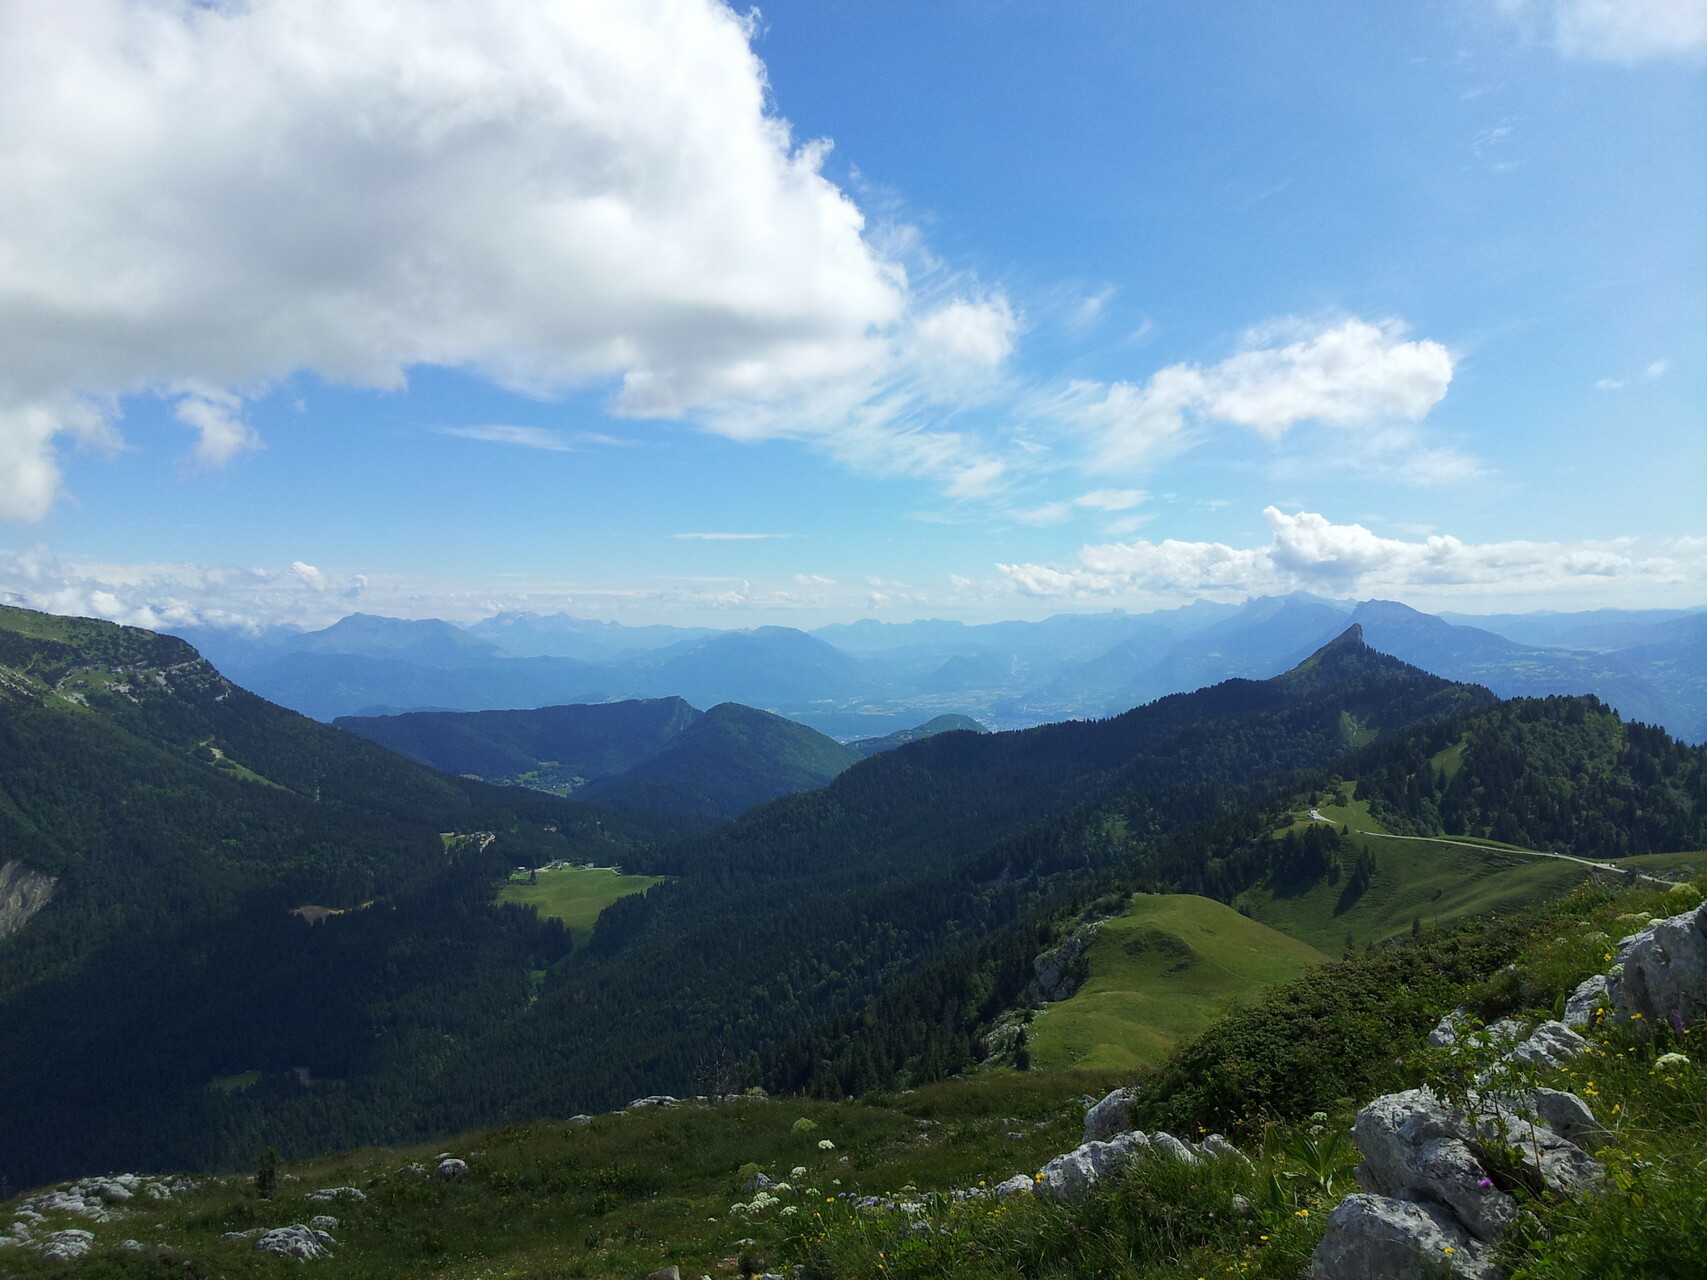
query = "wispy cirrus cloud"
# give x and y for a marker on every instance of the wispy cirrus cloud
(1614, 30)
(525, 437)
(730, 537)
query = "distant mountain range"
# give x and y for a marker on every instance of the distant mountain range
(868, 679)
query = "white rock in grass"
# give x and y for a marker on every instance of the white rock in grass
(66, 1246)
(1216, 1145)
(1372, 1237)
(296, 1241)
(1112, 1115)
(1552, 1044)
(452, 1168)
(337, 1193)
(1662, 970)
(1590, 995)
(1018, 1185)
(1167, 1144)
(1414, 1147)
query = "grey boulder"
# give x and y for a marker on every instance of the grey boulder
(66, 1246)
(1373, 1237)
(1590, 995)
(1414, 1148)
(1552, 1044)
(299, 1240)
(1112, 1115)
(1662, 970)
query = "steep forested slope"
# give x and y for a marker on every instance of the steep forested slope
(729, 760)
(659, 757)
(550, 748)
(181, 820)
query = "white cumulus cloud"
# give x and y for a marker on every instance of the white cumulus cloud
(1357, 373)
(217, 195)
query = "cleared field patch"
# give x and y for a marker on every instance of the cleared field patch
(1159, 975)
(574, 895)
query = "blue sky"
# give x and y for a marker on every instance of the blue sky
(981, 310)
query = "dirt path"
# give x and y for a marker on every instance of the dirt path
(1532, 853)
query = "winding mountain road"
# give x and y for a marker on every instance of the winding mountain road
(1482, 848)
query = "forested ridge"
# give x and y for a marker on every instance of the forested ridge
(1561, 774)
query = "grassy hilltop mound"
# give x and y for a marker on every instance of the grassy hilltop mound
(1159, 974)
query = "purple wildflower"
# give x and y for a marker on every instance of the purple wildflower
(1486, 1184)
(1677, 1022)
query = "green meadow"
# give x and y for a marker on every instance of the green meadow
(1431, 881)
(575, 895)
(1159, 974)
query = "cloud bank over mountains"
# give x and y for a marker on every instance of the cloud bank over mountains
(1307, 551)
(1311, 552)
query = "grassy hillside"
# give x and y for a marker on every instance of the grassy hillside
(574, 895)
(1160, 974)
(1431, 881)
(623, 1194)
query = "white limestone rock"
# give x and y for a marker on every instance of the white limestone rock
(1216, 1145)
(1373, 1237)
(1552, 1044)
(1569, 1116)
(1590, 995)
(328, 1194)
(299, 1240)
(1662, 970)
(66, 1246)
(1414, 1148)
(1448, 1030)
(451, 1168)
(1167, 1144)
(1111, 1115)
(1071, 1175)
(1018, 1185)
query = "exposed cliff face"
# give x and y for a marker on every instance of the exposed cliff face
(23, 892)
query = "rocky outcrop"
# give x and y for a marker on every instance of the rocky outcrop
(1589, 996)
(1060, 971)
(1417, 1149)
(1552, 1044)
(1659, 973)
(299, 1241)
(1070, 1175)
(66, 1246)
(1110, 1116)
(328, 1194)
(1377, 1238)
(1432, 1205)
(23, 892)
